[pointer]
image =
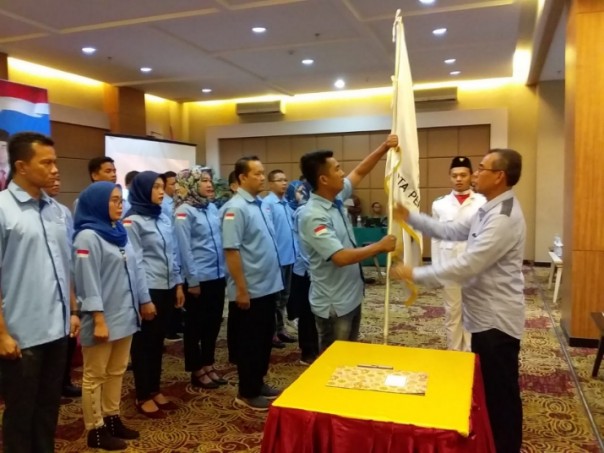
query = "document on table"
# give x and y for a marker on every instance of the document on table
(379, 379)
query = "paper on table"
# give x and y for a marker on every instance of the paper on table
(379, 380)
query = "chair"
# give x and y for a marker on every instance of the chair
(556, 268)
(598, 318)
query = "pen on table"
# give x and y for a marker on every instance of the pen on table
(377, 367)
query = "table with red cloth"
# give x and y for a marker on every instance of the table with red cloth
(311, 417)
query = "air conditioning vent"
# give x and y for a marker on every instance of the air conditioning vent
(447, 94)
(260, 108)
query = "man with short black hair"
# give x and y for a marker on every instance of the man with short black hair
(493, 285)
(254, 280)
(35, 314)
(336, 273)
(167, 205)
(102, 169)
(461, 203)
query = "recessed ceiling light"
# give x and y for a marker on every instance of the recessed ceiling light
(88, 50)
(455, 73)
(308, 61)
(206, 90)
(339, 83)
(259, 29)
(450, 60)
(439, 31)
(146, 69)
(427, 2)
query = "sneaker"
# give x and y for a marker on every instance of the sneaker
(285, 338)
(102, 438)
(117, 429)
(172, 338)
(257, 403)
(307, 361)
(270, 393)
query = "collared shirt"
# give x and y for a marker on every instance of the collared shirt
(325, 230)
(199, 243)
(301, 265)
(448, 209)
(167, 208)
(281, 215)
(65, 214)
(153, 242)
(35, 268)
(246, 228)
(107, 279)
(490, 269)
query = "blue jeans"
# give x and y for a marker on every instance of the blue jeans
(335, 327)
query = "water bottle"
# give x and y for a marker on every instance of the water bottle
(359, 220)
(558, 246)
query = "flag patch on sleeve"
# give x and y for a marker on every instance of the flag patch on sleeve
(321, 229)
(82, 253)
(181, 216)
(229, 216)
(127, 223)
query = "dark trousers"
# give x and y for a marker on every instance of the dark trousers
(498, 353)
(255, 327)
(32, 393)
(148, 345)
(71, 347)
(232, 333)
(203, 317)
(308, 338)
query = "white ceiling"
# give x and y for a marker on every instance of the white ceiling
(191, 44)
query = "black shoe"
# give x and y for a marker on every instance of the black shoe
(285, 338)
(102, 438)
(117, 429)
(277, 343)
(197, 382)
(71, 391)
(173, 337)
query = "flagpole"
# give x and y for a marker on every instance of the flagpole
(392, 182)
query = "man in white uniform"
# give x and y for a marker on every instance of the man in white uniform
(461, 203)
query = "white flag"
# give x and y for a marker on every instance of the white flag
(402, 166)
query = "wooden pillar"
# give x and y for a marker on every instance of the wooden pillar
(583, 281)
(125, 107)
(3, 66)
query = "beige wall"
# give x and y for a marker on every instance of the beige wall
(549, 175)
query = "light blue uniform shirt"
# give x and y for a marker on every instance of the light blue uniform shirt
(65, 214)
(301, 264)
(107, 279)
(34, 274)
(200, 243)
(167, 208)
(325, 230)
(155, 247)
(245, 227)
(490, 269)
(281, 214)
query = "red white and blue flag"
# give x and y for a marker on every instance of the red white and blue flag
(23, 108)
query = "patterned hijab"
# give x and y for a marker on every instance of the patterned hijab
(187, 187)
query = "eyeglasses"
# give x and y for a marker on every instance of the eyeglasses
(481, 169)
(116, 201)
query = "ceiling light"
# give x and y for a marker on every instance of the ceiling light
(339, 83)
(259, 29)
(146, 69)
(450, 60)
(439, 31)
(308, 61)
(206, 90)
(455, 73)
(426, 2)
(88, 50)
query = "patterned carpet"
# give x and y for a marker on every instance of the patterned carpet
(207, 421)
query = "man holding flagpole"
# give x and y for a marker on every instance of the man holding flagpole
(336, 275)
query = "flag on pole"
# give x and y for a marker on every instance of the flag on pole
(402, 165)
(23, 108)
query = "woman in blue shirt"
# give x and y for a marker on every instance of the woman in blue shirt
(151, 235)
(111, 293)
(197, 228)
